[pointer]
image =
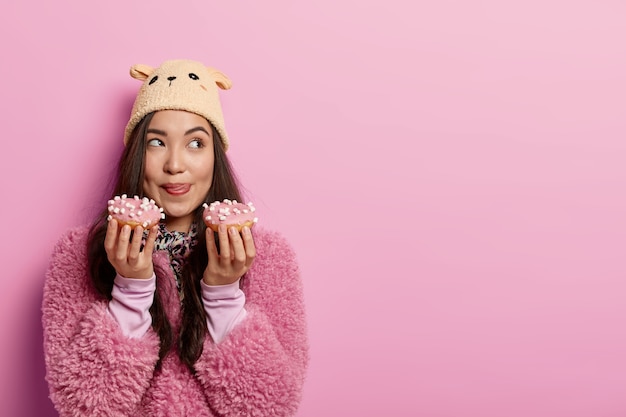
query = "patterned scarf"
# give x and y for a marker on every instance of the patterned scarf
(178, 245)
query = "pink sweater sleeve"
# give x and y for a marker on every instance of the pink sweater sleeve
(224, 307)
(130, 304)
(259, 368)
(89, 361)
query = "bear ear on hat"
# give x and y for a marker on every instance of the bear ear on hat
(220, 79)
(141, 72)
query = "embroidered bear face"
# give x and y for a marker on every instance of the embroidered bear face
(180, 74)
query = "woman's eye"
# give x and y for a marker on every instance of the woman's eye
(155, 142)
(196, 144)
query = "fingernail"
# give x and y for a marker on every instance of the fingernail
(232, 231)
(246, 230)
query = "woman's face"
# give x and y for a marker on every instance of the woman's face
(179, 165)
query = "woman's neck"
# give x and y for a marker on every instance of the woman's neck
(180, 224)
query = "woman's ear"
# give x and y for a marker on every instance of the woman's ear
(141, 72)
(220, 79)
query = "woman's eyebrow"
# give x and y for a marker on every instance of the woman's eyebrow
(157, 131)
(196, 129)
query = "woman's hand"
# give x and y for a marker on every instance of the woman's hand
(236, 255)
(126, 255)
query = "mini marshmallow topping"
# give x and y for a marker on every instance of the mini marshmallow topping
(229, 212)
(135, 211)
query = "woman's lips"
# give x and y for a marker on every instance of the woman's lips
(176, 189)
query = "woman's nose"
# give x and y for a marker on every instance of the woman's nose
(174, 163)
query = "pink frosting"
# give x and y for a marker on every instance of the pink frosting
(229, 212)
(135, 209)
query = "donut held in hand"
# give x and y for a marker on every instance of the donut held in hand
(229, 212)
(134, 211)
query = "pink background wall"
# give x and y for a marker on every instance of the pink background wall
(451, 174)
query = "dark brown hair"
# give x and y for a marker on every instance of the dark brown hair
(130, 176)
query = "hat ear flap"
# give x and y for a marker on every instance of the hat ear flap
(220, 79)
(141, 72)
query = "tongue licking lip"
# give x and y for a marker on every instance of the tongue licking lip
(176, 189)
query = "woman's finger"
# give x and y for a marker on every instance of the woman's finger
(121, 253)
(152, 235)
(248, 243)
(111, 237)
(225, 252)
(135, 245)
(237, 248)
(211, 249)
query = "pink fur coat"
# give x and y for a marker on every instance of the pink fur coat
(94, 370)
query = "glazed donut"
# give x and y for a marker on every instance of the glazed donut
(134, 211)
(230, 213)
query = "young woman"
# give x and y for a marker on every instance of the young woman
(176, 320)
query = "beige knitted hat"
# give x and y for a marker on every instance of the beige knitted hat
(179, 85)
